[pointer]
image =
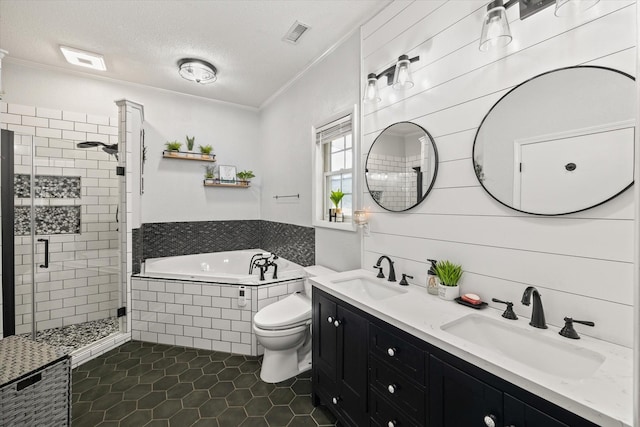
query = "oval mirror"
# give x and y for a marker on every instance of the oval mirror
(559, 143)
(401, 166)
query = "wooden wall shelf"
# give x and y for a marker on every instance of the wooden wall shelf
(183, 155)
(225, 184)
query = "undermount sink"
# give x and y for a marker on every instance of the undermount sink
(364, 286)
(529, 347)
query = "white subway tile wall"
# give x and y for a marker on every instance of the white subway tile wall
(201, 315)
(81, 283)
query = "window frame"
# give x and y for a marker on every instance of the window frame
(320, 190)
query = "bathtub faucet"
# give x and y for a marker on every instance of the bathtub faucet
(263, 261)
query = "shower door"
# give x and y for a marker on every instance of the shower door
(66, 241)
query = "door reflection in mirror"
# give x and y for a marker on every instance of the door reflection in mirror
(580, 116)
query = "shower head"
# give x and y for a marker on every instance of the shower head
(107, 148)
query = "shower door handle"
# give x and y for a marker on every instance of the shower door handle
(46, 253)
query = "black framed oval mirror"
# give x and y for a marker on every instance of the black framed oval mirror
(559, 143)
(401, 166)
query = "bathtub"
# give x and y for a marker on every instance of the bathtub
(230, 267)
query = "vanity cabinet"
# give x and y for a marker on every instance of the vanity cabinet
(339, 336)
(459, 399)
(371, 373)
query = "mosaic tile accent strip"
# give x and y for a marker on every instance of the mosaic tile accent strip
(49, 220)
(293, 242)
(136, 249)
(185, 238)
(48, 187)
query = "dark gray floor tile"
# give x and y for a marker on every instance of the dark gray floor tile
(136, 419)
(279, 416)
(155, 385)
(232, 417)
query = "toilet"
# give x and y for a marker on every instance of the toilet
(284, 330)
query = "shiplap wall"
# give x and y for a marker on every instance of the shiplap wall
(582, 264)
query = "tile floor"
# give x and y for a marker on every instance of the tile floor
(144, 384)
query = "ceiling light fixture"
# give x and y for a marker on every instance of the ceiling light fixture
(398, 75)
(82, 58)
(197, 70)
(495, 27)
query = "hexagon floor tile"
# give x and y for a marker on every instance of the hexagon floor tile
(144, 384)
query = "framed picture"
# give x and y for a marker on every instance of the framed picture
(227, 173)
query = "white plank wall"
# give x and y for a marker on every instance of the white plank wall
(581, 263)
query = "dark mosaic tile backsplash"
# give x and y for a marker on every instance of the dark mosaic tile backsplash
(49, 220)
(48, 186)
(155, 240)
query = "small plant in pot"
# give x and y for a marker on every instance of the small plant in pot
(190, 142)
(245, 177)
(173, 147)
(335, 197)
(449, 275)
(209, 174)
(205, 151)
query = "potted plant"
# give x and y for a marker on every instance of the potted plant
(190, 142)
(209, 174)
(206, 151)
(335, 197)
(173, 148)
(449, 275)
(245, 177)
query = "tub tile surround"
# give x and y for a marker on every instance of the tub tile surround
(292, 242)
(78, 192)
(201, 315)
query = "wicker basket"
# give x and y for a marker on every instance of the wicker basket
(41, 399)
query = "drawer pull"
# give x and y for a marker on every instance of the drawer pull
(392, 423)
(337, 323)
(490, 420)
(335, 400)
(392, 388)
(330, 319)
(391, 351)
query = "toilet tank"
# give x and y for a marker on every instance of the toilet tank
(314, 271)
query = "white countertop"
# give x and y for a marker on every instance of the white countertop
(605, 397)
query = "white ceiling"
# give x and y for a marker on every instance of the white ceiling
(142, 40)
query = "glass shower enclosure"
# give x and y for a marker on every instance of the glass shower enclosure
(61, 280)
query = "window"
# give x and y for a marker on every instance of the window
(335, 146)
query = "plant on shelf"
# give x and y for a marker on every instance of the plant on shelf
(206, 150)
(209, 173)
(245, 177)
(449, 275)
(173, 147)
(190, 142)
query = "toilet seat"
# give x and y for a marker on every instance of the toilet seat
(292, 311)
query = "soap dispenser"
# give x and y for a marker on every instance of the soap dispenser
(432, 278)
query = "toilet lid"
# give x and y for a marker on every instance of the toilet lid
(290, 311)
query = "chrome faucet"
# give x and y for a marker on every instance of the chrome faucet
(537, 313)
(392, 271)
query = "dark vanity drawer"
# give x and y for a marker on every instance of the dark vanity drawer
(383, 414)
(397, 388)
(397, 352)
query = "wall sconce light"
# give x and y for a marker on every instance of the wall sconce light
(495, 27)
(197, 70)
(398, 75)
(361, 218)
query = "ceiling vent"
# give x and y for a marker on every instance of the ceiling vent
(295, 32)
